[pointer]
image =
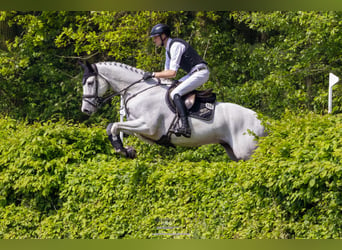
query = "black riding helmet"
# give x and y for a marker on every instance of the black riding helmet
(160, 29)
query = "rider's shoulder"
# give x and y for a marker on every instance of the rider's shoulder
(177, 42)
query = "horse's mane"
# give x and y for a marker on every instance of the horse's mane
(124, 66)
(131, 69)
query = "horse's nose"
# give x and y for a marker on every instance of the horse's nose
(86, 111)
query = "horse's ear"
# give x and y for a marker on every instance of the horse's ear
(90, 68)
(82, 64)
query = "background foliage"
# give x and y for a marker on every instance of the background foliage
(59, 177)
(60, 180)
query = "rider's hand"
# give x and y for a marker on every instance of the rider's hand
(148, 75)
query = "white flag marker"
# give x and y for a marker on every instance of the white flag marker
(332, 81)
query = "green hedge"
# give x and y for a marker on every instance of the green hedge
(60, 180)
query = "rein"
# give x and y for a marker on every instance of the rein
(109, 97)
(138, 93)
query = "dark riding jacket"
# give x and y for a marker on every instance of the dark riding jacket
(190, 57)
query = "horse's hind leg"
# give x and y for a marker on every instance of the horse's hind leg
(229, 151)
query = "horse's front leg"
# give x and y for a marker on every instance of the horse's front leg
(117, 144)
(134, 126)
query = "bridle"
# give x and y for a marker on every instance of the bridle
(99, 101)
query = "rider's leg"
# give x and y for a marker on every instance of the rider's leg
(189, 83)
(185, 128)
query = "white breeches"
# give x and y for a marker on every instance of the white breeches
(191, 82)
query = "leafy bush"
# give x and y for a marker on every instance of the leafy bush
(60, 180)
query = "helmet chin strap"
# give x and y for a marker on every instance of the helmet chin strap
(162, 43)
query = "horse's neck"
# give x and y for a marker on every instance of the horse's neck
(124, 78)
(120, 76)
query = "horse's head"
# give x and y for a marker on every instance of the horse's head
(94, 88)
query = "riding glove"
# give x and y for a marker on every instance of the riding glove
(148, 75)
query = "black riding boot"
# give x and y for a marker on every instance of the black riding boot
(182, 112)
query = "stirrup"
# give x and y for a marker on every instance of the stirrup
(186, 132)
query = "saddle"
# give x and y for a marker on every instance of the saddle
(199, 103)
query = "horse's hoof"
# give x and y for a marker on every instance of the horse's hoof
(131, 153)
(122, 152)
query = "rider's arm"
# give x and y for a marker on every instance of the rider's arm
(169, 73)
(172, 64)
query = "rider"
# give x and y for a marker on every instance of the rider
(179, 54)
